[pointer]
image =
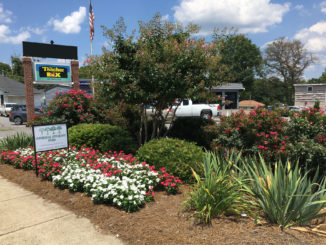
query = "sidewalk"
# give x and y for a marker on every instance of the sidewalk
(28, 219)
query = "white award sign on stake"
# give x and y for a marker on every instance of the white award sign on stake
(49, 137)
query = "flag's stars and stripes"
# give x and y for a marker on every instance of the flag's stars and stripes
(91, 20)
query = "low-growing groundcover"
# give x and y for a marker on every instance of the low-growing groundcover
(110, 178)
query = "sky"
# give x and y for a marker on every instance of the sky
(66, 22)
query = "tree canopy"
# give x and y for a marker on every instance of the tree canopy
(269, 91)
(85, 72)
(241, 56)
(163, 63)
(288, 59)
(5, 69)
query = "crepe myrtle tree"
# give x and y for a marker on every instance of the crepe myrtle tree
(159, 64)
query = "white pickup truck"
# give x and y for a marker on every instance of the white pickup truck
(6, 108)
(188, 108)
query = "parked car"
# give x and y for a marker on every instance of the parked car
(294, 108)
(18, 114)
(188, 108)
(6, 108)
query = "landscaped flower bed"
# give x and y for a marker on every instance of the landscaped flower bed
(110, 178)
(301, 138)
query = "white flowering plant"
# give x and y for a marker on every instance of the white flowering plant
(111, 178)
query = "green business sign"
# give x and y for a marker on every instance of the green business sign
(52, 73)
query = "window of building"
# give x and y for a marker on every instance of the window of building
(310, 89)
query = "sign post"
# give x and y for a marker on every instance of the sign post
(49, 137)
(51, 74)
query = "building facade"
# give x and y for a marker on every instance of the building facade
(13, 92)
(308, 94)
(230, 94)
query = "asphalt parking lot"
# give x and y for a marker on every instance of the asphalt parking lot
(9, 128)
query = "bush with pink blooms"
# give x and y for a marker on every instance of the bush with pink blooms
(259, 131)
(301, 138)
(72, 107)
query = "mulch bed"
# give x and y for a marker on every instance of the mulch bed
(159, 222)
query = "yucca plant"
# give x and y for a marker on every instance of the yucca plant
(16, 141)
(219, 192)
(286, 196)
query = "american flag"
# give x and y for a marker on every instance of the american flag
(91, 20)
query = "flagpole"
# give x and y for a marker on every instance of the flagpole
(92, 82)
(93, 89)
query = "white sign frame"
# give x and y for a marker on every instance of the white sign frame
(50, 137)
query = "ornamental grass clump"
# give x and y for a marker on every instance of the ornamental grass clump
(13, 142)
(219, 192)
(286, 196)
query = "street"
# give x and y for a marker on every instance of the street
(9, 128)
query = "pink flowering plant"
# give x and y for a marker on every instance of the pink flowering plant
(300, 138)
(111, 178)
(259, 131)
(306, 124)
(72, 107)
(169, 182)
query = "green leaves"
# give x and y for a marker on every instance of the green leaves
(13, 142)
(103, 137)
(286, 196)
(219, 192)
(176, 155)
(162, 64)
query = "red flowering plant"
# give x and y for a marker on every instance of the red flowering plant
(72, 107)
(110, 178)
(114, 163)
(259, 131)
(14, 158)
(49, 163)
(171, 183)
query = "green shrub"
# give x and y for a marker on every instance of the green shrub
(220, 192)
(103, 137)
(304, 125)
(285, 195)
(178, 156)
(13, 142)
(310, 155)
(191, 129)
